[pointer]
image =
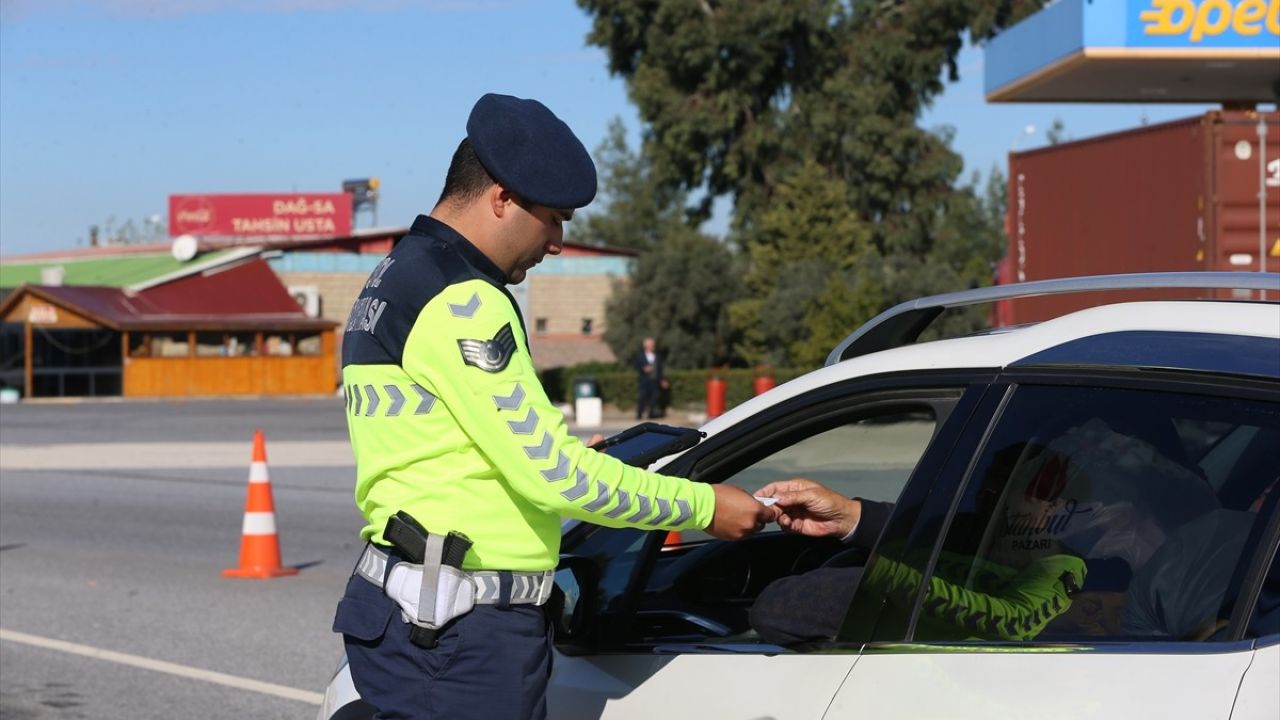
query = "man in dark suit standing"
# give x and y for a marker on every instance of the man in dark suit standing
(649, 379)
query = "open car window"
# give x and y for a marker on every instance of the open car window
(867, 457)
(700, 590)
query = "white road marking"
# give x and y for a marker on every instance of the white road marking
(138, 661)
(135, 455)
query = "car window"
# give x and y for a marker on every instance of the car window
(1103, 513)
(871, 458)
(700, 590)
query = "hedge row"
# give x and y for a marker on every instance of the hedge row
(617, 386)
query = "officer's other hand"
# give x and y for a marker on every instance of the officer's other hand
(594, 441)
(806, 507)
(737, 514)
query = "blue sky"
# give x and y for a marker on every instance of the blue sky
(108, 107)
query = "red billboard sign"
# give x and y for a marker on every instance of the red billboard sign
(260, 214)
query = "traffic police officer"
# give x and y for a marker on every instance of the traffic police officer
(452, 430)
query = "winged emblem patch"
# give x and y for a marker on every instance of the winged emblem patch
(490, 355)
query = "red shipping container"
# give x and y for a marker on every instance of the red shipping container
(1178, 196)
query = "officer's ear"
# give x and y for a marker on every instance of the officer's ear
(501, 200)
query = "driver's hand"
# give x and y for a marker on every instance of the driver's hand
(738, 514)
(809, 508)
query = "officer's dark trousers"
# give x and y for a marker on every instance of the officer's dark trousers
(490, 664)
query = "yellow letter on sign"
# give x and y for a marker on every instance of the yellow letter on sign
(1220, 9)
(1160, 19)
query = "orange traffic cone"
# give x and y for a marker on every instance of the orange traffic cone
(259, 545)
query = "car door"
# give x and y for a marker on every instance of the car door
(1148, 505)
(668, 635)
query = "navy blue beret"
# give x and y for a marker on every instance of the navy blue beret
(531, 152)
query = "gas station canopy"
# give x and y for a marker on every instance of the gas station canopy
(1224, 51)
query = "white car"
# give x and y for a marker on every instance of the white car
(1140, 441)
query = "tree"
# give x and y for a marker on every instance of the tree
(637, 212)
(756, 99)
(804, 242)
(730, 89)
(995, 200)
(678, 293)
(681, 283)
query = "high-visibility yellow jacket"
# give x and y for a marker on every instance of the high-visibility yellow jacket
(449, 423)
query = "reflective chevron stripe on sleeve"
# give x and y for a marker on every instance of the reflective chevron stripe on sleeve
(686, 512)
(542, 450)
(579, 488)
(624, 504)
(602, 498)
(643, 512)
(560, 471)
(365, 400)
(512, 401)
(467, 310)
(397, 400)
(526, 426)
(426, 400)
(664, 510)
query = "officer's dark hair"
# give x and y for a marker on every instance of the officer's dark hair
(467, 179)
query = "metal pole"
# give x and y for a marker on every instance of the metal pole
(28, 361)
(1262, 198)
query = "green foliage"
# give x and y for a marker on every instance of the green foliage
(805, 112)
(688, 387)
(731, 89)
(995, 197)
(807, 241)
(636, 212)
(682, 281)
(678, 294)
(558, 381)
(849, 299)
(706, 77)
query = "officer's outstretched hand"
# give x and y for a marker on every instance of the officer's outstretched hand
(806, 507)
(738, 514)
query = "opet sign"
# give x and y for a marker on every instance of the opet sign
(1204, 23)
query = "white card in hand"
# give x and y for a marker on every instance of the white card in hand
(766, 501)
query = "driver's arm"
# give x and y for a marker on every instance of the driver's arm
(812, 509)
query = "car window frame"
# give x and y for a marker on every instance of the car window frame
(953, 486)
(1266, 552)
(921, 518)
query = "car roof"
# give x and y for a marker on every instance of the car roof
(902, 324)
(1178, 325)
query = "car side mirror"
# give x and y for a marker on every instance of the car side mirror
(573, 604)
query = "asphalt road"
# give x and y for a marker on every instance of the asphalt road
(116, 520)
